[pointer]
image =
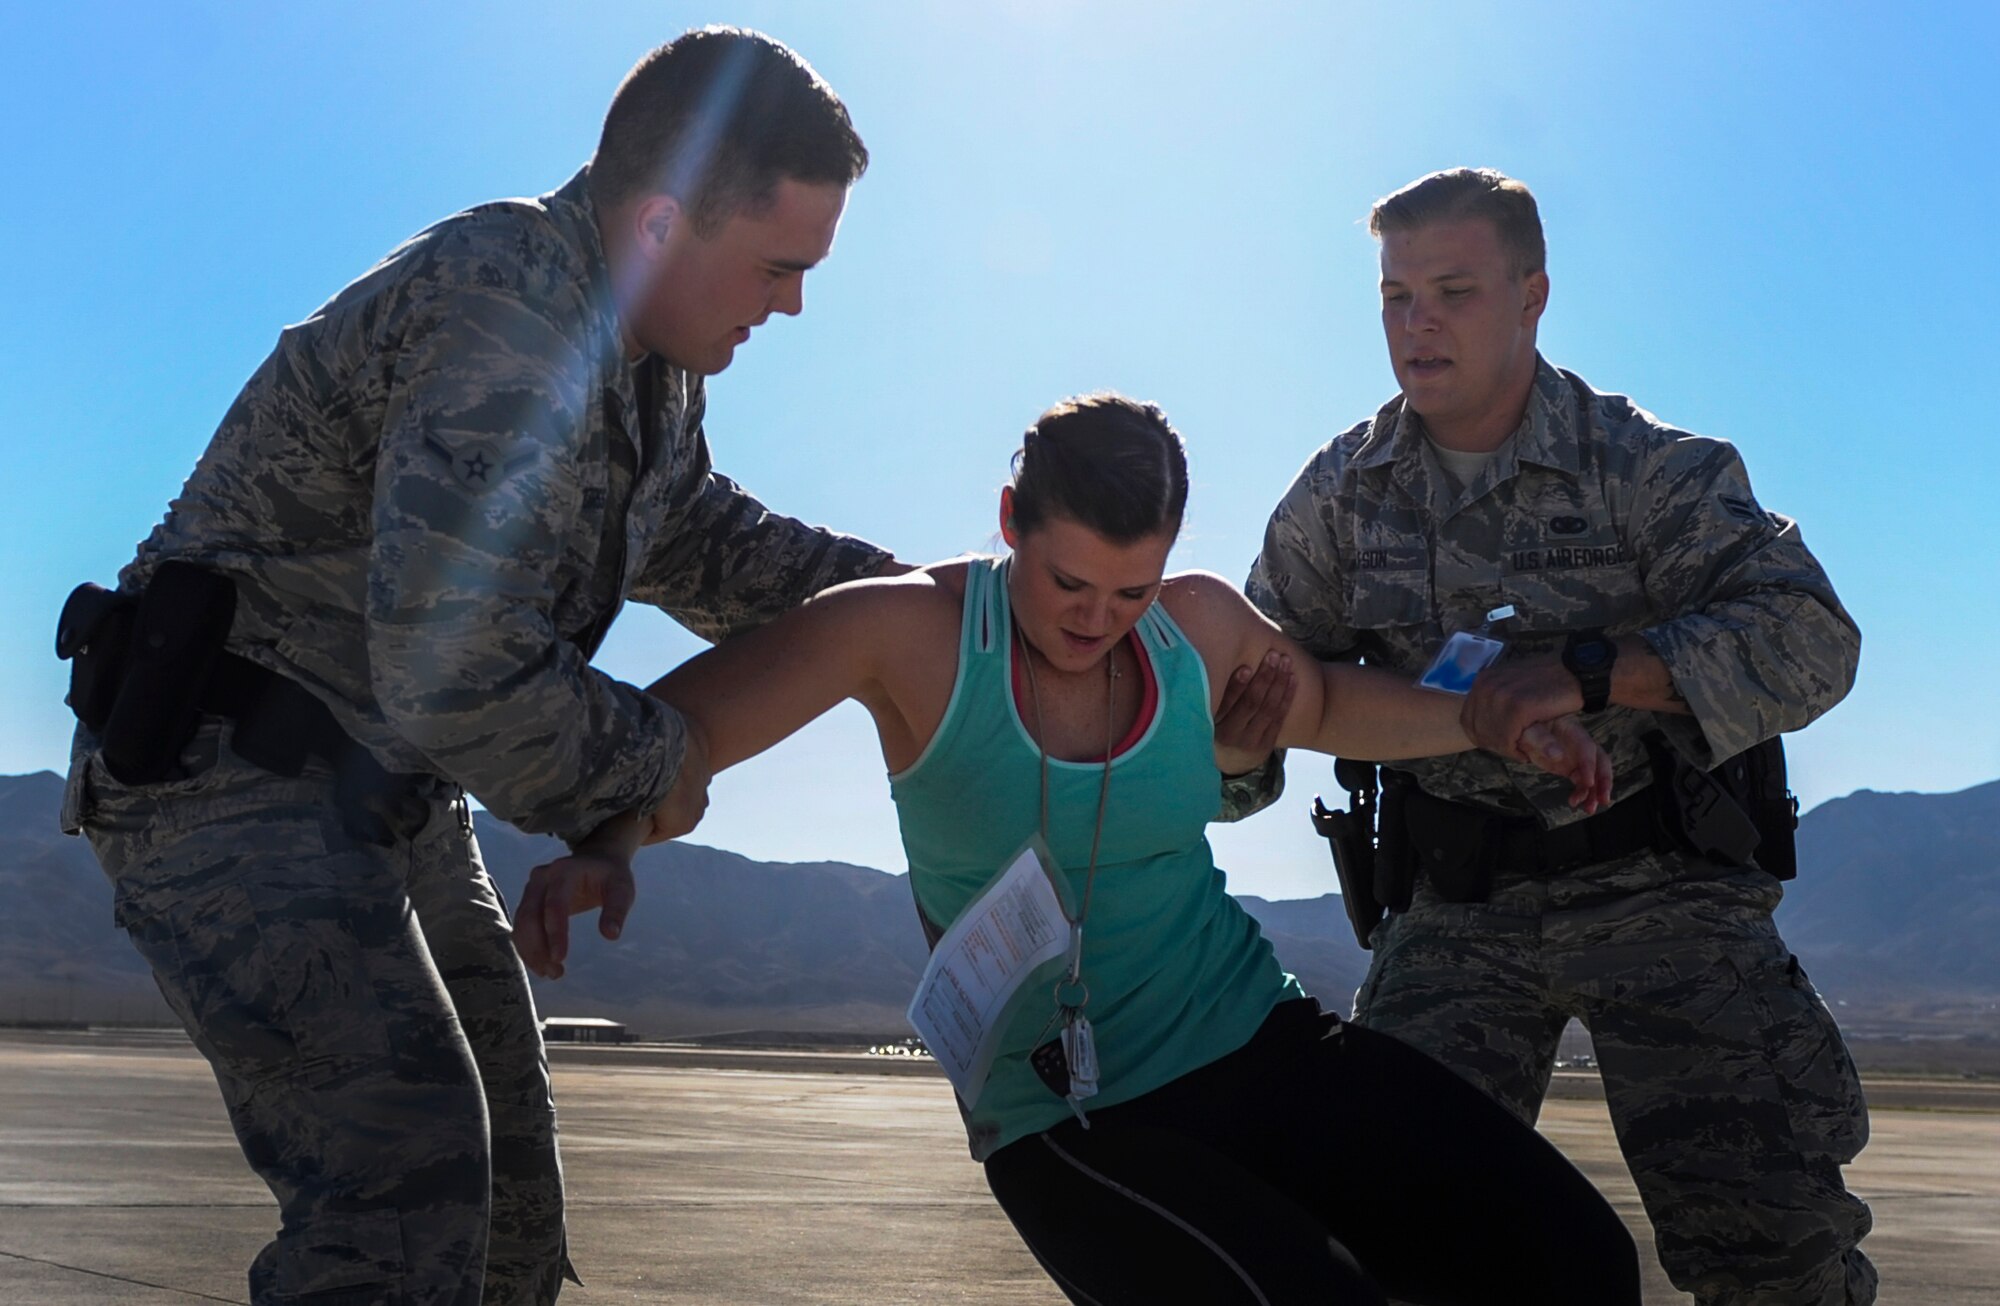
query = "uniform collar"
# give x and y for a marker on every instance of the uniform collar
(575, 214)
(674, 388)
(1547, 435)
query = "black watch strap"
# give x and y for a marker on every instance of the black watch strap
(1589, 655)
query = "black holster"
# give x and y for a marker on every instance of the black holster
(139, 664)
(1740, 813)
(145, 668)
(1368, 860)
(91, 635)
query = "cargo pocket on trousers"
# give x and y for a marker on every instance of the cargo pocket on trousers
(211, 967)
(1815, 1074)
(341, 1259)
(272, 984)
(323, 991)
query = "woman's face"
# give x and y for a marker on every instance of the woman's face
(1076, 593)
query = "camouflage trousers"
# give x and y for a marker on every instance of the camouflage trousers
(368, 1023)
(1734, 1098)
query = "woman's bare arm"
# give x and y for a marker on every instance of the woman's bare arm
(747, 694)
(739, 699)
(1355, 711)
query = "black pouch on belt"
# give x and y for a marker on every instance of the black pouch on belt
(1395, 858)
(1457, 847)
(1756, 779)
(91, 635)
(1698, 809)
(178, 628)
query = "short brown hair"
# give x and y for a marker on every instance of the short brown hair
(1459, 193)
(716, 118)
(1113, 464)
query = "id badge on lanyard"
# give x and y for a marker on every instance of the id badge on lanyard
(1079, 1043)
(1465, 655)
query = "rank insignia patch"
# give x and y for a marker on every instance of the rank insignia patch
(476, 466)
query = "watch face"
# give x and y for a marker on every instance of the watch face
(1589, 654)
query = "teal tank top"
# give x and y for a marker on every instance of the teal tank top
(1179, 973)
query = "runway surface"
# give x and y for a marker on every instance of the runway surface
(729, 1177)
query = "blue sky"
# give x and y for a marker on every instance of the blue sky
(1771, 223)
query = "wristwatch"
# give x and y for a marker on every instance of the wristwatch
(1588, 655)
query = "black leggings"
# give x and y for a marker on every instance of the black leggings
(1320, 1162)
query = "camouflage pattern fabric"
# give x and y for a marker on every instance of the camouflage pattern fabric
(1595, 513)
(1735, 1100)
(1253, 791)
(436, 492)
(368, 1023)
(1730, 1090)
(433, 498)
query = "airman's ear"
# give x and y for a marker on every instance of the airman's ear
(1536, 284)
(655, 219)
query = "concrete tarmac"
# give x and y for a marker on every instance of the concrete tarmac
(707, 1177)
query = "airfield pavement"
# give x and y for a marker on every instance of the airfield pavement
(736, 1177)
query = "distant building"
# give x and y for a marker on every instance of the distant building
(1574, 1050)
(583, 1029)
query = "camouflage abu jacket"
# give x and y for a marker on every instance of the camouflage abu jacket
(1595, 513)
(436, 492)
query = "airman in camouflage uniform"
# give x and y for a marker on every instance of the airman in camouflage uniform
(432, 499)
(1733, 1096)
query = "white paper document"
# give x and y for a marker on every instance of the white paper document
(993, 948)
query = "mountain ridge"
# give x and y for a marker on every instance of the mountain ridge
(1894, 912)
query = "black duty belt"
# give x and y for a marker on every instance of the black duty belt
(1461, 848)
(144, 668)
(280, 724)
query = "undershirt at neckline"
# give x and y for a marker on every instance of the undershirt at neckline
(1149, 695)
(1460, 466)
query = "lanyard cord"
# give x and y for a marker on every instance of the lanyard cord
(1103, 784)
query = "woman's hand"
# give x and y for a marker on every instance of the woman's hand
(585, 880)
(1563, 747)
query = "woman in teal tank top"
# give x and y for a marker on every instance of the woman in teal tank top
(1231, 1141)
(1178, 972)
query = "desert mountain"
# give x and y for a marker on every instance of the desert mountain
(1896, 912)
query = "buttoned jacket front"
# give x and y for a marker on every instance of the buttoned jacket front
(1594, 514)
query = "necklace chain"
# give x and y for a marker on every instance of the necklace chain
(1104, 781)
